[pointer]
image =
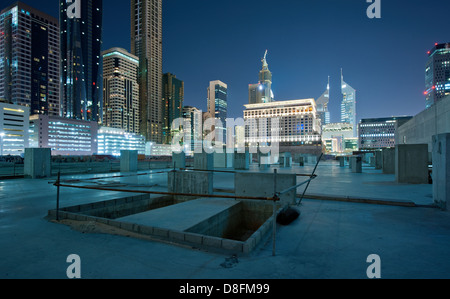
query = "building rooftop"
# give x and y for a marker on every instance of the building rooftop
(331, 239)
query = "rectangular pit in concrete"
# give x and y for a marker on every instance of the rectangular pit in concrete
(222, 225)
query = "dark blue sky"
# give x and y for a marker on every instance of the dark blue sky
(308, 40)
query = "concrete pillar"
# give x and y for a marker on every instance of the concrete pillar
(190, 182)
(389, 161)
(411, 165)
(230, 160)
(285, 160)
(179, 160)
(356, 164)
(264, 161)
(38, 163)
(128, 161)
(203, 161)
(220, 160)
(242, 161)
(341, 161)
(441, 170)
(378, 160)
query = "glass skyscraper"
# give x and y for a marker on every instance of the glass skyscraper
(172, 101)
(218, 107)
(348, 106)
(29, 59)
(322, 106)
(81, 61)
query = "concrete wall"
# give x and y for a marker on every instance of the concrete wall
(220, 160)
(430, 122)
(128, 161)
(190, 182)
(441, 170)
(262, 185)
(411, 163)
(37, 163)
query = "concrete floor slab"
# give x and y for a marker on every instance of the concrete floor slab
(182, 216)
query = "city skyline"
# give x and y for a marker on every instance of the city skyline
(297, 53)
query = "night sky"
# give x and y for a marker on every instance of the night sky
(307, 40)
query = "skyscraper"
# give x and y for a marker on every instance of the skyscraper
(437, 74)
(262, 92)
(172, 101)
(322, 106)
(218, 106)
(29, 59)
(120, 90)
(348, 105)
(81, 61)
(146, 44)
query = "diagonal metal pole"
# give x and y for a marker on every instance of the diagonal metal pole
(312, 175)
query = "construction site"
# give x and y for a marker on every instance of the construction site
(223, 217)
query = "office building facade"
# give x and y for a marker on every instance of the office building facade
(146, 44)
(437, 74)
(218, 108)
(348, 105)
(120, 90)
(81, 61)
(64, 136)
(338, 138)
(14, 129)
(379, 133)
(29, 59)
(172, 105)
(287, 123)
(111, 141)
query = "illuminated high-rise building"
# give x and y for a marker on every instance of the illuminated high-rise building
(172, 105)
(322, 106)
(437, 74)
(81, 61)
(120, 90)
(262, 91)
(348, 106)
(146, 44)
(218, 107)
(29, 59)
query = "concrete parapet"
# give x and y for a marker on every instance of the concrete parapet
(37, 163)
(441, 170)
(411, 165)
(128, 161)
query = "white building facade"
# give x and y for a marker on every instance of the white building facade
(14, 127)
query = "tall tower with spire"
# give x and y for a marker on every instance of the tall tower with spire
(348, 105)
(322, 105)
(262, 92)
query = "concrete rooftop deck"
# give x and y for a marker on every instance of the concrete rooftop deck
(331, 239)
